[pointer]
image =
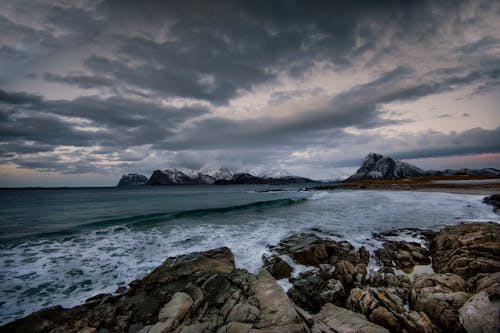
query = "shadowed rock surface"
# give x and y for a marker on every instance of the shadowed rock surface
(467, 249)
(493, 200)
(204, 292)
(197, 292)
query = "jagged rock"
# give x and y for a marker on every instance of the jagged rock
(366, 301)
(405, 255)
(197, 292)
(244, 312)
(309, 249)
(311, 290)
(467, 249)
(235, 327)
(362, 301)
(174, 311)
(277, 267)
(493, 200)
(306, 291)
(383, 317)
(480, 314)
(440, 296)
(332, 319)
(276, 309)
(490, 283)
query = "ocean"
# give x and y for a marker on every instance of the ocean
(61, 246)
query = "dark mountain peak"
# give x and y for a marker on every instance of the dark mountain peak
(377, 166)
(132, 179)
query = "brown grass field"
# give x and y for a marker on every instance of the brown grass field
(421, 184)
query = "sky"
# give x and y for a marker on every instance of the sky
(91, 90)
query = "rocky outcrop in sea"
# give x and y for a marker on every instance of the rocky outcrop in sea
(334, 292)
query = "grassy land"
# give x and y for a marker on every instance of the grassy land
(420, 183)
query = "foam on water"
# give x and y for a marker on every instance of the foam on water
(68, 269)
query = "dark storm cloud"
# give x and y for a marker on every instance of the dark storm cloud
(472, 141)
(82, 81)
(86, 121)
(358, 107)
(212, 52)
(215, 51)
(18, 97)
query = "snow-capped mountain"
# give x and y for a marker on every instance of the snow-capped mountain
(376, 166)
(223, 173)
(169, 176)
(221, 176)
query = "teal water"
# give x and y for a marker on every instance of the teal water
(61, 246)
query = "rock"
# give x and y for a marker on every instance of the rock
(467, 249)
(490, 283)
(332, 318)
(277, 267)
(344, 272)
(493, 200)
(218, 260)
(175, 310)
(311, 291)
(276, 308)
(362, 301)
(306, 291)
(197, 292)
(235, 327)
(312, 250)
(480, 314)
(440, 296)
(383, 317)
(402, 255)
(245, 313)
(87, 330)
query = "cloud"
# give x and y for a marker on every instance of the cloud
(302, 85)
(18, 98)
(82, 81)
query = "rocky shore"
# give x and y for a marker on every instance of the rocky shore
(204, 291)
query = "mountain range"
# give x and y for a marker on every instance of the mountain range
(222, 176)
(376, 166)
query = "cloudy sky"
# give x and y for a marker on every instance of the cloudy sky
(93, 89)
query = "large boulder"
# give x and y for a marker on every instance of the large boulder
(440, 296)
(333, 319)
(467, 249)
(493, 200)
(480, 314)
(277, 267)
(312, 250)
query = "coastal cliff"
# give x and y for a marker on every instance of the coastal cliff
(205, 292)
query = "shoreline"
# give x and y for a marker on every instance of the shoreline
(464, 190)
(455, 184)
(205, 292)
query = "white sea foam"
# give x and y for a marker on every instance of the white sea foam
(66, 270)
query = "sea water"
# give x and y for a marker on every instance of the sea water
(61, 246)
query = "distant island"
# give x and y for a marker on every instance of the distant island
(222, 176)
(374, 167)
